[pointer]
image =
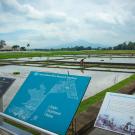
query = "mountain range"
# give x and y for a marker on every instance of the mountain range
(78, 43)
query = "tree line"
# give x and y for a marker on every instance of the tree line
(21, 48)
(123, 46)
(14, 47)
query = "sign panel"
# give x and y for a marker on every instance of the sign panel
(48, 100)
(5, 83)
(117, 114)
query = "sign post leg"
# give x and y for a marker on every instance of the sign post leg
(75, 126)
(1, 104)
(1, 110)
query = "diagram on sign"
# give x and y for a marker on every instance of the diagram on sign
(38, 95)
(68, 87)
(26, 109)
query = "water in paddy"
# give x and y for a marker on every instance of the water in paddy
(103, 59)
(107, 59)
(100, 80)
(36, 58)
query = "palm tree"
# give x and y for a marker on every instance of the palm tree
(28, 45)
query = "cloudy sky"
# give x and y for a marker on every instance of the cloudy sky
(47, 23)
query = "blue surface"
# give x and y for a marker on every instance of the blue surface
(48, 100)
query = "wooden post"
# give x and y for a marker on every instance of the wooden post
(75, 126)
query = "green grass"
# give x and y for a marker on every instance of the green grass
(7, 55)
(98, 97)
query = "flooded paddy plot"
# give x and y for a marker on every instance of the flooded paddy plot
(102, 60)
(111, 60)
(112, 69)
(100, 80)
(64, 66)
(73, 61)
(37, 59)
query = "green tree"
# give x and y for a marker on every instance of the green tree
(23, 48)
(16, 47)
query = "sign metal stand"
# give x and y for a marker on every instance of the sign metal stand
(1, 104)
(5, 83)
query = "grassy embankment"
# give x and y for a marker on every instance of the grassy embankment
(98, 97)
(6, 55)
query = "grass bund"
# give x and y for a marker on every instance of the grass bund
(100, 96)
(7, 55)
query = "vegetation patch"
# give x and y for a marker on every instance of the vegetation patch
(16, 73)
(7, 55)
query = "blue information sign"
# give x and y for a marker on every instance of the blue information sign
(48, 100)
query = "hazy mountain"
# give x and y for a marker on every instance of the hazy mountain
(78, 43)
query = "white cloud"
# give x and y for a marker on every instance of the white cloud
(51, 21)
(13, 6)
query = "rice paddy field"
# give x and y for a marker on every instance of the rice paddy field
(104, 77)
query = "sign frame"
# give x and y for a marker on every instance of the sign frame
(111, 116)
(23, 123)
